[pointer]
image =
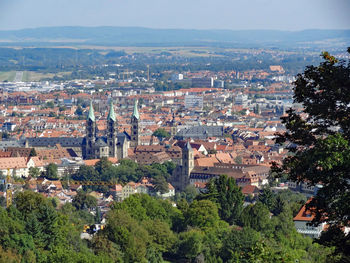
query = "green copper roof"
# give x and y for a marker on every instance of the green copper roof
(111, 114)
(136, 111)
(91, 115)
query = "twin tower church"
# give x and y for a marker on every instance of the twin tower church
(113, 144)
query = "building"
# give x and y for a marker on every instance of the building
(135, 127)
(181, 175)
(177, 77)
(202, 82)
(193, 101)
(145, 186)
(114, 144)
(241, 99)
(201, 132)
(302, 220)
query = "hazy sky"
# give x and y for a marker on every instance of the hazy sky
(194, 14)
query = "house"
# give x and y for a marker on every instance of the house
(145, 186)
(250, 190)
(19, 166)
(302, 220)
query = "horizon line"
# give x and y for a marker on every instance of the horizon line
(185, 29)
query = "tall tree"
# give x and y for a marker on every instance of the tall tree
(51, 172)
(225, 192)
(319, 139)
(267, 197)
(160, 184)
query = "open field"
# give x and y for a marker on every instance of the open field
(7, 75)
(29, 76)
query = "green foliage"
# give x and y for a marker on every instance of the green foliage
(161, 134)
(227, 195)
(256, 216)
(34, 172)
(125, 172)
(267, 198)
(145, 229)
(125, 231)
(321, 141)
(160, 184)
(190, 244)
(84, 201)
(202, 214)
(51, 172)
(189, 194)
(239, 245)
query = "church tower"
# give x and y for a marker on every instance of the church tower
(173, 128)
(90, 138)
(135, 126)
(187, 160)
(112, 131)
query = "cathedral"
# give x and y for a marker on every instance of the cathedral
(113, 144)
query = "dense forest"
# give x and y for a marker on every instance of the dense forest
(209, 227)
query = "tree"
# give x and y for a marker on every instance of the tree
(79, 111)
(160, 184)
(102, 165)
(50, 104)
(202, 214)
(256, 217)
(84, 201)
(267, 198)
(319, 139)
(85, 173)
(51, 172)
(190, 244)
(225, 192)
(34, 172)
(161, 134)
(239, 244)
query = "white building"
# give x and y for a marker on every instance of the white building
(302, 220)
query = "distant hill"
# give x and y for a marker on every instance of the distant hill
(138, 36)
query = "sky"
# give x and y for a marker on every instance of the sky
(183, 14)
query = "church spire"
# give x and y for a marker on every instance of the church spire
(111, 114)
(91, 115)
(136, 111)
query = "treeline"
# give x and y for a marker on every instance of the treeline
(215, 227)
(89, 63)
(125, 172)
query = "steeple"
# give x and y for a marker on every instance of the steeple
(135, 127)
(111, 114)
(136, 111)
(91, 115)
(188, 146)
